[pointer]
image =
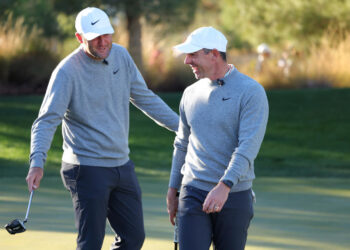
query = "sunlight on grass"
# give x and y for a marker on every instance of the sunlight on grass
(344, 193)
(12, 199)
(31, 240)
(290, 213)
(152, 172)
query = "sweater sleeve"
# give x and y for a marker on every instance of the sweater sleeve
(148, 102)
(52, 110)
(180, 149)
(253, 121)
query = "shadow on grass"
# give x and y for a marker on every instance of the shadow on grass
(12, 168)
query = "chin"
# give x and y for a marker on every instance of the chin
(103, 55)
(198, 76)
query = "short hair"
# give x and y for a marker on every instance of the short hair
(222, 54)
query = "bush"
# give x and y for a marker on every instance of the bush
(169, 77)
(26, 58)
(30, 72)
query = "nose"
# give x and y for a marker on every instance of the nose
(102, 41)
(188, 59)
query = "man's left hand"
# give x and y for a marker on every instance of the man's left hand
(216, 198)
(172, 204)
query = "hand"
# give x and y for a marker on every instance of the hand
(172, 202)
(35, 174)
(216, 198)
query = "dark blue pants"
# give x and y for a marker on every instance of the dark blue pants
(228, 228)
(101, 193)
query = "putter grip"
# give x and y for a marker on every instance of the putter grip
(176, 230)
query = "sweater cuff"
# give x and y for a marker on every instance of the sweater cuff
(175, 181)
(237, 168)
(37, 161)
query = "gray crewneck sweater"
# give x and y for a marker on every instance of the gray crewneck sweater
(91, 98)
(220, 132)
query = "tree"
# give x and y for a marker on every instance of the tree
(37, 13)
(283, 21)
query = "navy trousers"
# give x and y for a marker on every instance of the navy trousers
(101, 193)
(228, 228)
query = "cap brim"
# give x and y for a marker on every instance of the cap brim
(92, 35)
(185, 48)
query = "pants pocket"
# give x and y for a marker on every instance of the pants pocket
(69, 175)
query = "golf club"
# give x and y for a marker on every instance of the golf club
(176, 239)
(176, 229)
(17, 226)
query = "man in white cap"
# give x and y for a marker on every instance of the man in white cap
(223, 118)
(89, 91)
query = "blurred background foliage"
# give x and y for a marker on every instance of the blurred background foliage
(308, 41)
(282, 22)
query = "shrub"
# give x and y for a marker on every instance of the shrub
(171, 75)
(26, 58)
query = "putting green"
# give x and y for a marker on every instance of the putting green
(58, 241)
(290, 213)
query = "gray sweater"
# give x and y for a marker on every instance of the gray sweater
(91, 98)
(220, 132)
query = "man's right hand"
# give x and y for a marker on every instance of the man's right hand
(172, 203)
(35, 174)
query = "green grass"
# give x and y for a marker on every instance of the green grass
(307, 135)
(302, 185)
(290, 213)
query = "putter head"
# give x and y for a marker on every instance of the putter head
(15, 226)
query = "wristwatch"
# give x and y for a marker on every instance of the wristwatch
(228, 183)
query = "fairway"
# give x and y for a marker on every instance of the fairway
(290, 213)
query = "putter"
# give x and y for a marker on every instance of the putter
(17, 226)
(176, 229)
(176, 239)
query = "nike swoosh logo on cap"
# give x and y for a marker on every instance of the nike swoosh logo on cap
(93, 23)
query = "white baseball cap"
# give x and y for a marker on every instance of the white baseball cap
(93, 22)
(263, 48)
(203, 38)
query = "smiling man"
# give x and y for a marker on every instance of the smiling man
(89, 92)
(223, 118)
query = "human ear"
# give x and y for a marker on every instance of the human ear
(79, 37)
(215, 53)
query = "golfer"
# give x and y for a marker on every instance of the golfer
(90, 91)
(223, 118)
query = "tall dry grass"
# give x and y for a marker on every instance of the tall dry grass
(330, 61)
(325, 64)
(25, 50)
(16, 37)
(26, 58)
